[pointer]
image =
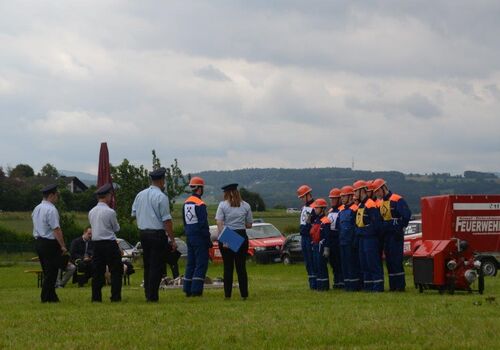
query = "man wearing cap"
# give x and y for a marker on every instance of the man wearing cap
(334, 248)
(368, 229)
(395, 214)
(152, 211)
(106, 251)
(307, 216)
(49, 243)
(195, 217)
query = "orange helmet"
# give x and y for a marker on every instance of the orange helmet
(320, 203)
(377, 183)
(303, 190)
(369, 185)
(359, 185)
(196, 181)
(346, 191)
(334, 193)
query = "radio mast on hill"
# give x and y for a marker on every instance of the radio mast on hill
(352, 164)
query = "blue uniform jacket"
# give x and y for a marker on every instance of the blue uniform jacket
(346, 223)
(307, 217)
(195, 217)
(395, 213)
(368, 219)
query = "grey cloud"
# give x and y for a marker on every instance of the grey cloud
(420, 107)
(416, 105)
(212, 73)
(290, 66)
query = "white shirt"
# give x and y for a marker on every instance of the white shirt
(234, 218)
(151, 209)
(103, 222)
(45, 220)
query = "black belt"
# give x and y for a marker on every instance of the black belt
(45, 239)
(152, 231)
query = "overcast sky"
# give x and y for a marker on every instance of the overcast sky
(396, 85)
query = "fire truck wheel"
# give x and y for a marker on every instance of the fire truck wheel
(489, 267)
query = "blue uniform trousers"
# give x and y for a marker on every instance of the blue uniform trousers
(350, 267)
(308, 260)
(196, 268)
(320, 267)
(371, 263)
(393, 250)
(336, 263)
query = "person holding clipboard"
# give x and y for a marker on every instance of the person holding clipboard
(234, 216)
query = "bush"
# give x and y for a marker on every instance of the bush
(129, 232)
(69, 227)
(178, 230)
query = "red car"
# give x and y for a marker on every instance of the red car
(264, 243)
(413, 238)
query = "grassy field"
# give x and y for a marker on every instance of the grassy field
(280, 313)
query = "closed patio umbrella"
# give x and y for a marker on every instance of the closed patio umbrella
(104, 170)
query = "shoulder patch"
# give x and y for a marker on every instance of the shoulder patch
(370, 203)
(395, 197)
(325, 220)
(195, 200)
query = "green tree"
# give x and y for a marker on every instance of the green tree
(2, 173)
(49, 170)
(129, 180)
(254, 199)
(22, 170)
(175, 182)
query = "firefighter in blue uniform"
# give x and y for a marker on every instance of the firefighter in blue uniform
(349, 250)
(368, 229)
(321, 235)
(194, 213)
(395, 214)
(334, 258)
(306, 217)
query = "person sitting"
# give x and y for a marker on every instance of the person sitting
(66, 271)
(81, 254)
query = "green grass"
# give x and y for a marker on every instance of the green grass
(20, 222)
(280, 313)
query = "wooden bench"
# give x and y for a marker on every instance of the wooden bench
(39, 277)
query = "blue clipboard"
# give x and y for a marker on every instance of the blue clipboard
(231, 238)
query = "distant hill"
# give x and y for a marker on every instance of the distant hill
(278, 186)
(87, 179)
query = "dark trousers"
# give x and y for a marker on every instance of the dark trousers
(107, 253)
(238, 259)
(196, 268)
(371, 264)
(83, 272)
(393, 250)
(308, 260)
(320, 267)
(154, 252)
(350, 267)
(49, 253)
(336, 263)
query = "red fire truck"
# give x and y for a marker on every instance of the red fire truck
(459, 234)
